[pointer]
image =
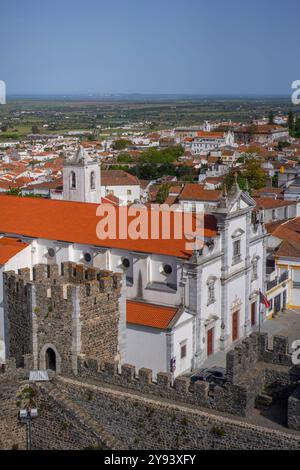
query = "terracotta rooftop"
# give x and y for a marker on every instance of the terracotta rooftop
(269, 190)
(76, 222)
(289, 249)
(287, 230)
(9, 247)
(271, 203)
(263, 129)
(210, 135)
(195, 192)
(154, 316)
(118, 178)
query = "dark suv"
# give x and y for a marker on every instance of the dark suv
(214, 375)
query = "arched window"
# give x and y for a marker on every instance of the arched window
(73, 180)
(93, 180)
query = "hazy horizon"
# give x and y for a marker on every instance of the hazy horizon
(125, 47)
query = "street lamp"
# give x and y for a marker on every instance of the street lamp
(26, 416)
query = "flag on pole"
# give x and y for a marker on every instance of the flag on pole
(263, 300)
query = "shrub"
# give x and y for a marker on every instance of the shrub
(218, 431)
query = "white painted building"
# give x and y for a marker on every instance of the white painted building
(182, 305)
(84, 181)
(206, 141)
(120, 184)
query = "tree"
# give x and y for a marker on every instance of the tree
(271, 117)
(230, 179)
(291, 121)
(14, 192)
(124, 158)
(253, 177)
(121, 144)
(283, 144)
(297, 128)
(255, 174)
(163, 193)
(35, 129)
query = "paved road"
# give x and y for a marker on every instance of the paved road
(286, 324)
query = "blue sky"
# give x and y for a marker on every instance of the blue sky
(149, 46)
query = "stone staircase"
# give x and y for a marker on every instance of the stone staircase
(104, 437)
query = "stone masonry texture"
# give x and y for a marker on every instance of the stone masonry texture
(76, 312)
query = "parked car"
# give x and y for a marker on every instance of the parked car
(214, 375)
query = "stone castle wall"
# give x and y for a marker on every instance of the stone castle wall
(250, 367)
(71, 313)
(144, 422)
(12, 433)
(120, 409)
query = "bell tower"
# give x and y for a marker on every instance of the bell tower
(81, 178)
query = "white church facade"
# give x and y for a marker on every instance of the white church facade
(182, 305)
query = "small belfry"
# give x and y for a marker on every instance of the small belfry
(81, 178)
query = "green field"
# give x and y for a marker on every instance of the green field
(18, 116)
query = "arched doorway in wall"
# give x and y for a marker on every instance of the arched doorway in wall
(50, 359)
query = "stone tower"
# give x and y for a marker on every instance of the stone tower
(55, 318)
(81, 178)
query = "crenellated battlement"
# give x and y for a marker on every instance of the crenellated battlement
(254, 349)
(69, 310)
(246, 366)
(90, 280)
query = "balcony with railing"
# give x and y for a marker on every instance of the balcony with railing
(278, 280)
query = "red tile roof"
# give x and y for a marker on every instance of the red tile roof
(118, 178)
(271, 203)
(210, 135)
(287, 230)
(270, 190)
(289, 249)
(154, 316)
(9, 247)
(195, 192)
(76, 222)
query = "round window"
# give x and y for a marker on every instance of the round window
(168, 269)
(87, 257)
(51, 252)
(125, 263)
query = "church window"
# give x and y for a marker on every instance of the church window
(236, 251)
(93, 184)
(73, 180)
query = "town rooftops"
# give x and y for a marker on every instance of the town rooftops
(271, 203)
(76, 222)
(195, 192)
(9, 247)
(288, 249)
(287, 230)
(263, 129)
(268, 190)
(154, 316)
(118, 178)
(210, 135)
